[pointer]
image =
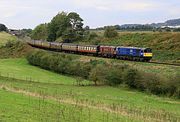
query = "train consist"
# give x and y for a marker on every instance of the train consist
(120, 52)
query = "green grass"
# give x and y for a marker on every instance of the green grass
(133, 103)
(20, 108)
(4, 37)
(19, 68)
(127, 101)
(158, 69)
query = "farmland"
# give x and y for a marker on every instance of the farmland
(37, 94)
(29, 93)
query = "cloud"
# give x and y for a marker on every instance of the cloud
(116, 5)
(29, 13)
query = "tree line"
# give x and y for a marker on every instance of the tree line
(63, 26)
(103, 73)
(67, 27)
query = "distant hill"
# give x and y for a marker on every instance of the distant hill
(169, 23)
(174, 23)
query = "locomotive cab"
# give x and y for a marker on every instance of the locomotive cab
(147, 54)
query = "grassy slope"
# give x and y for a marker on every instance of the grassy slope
(47, 83)
(19, 68)
(20, 108)
(4, 37)
(158, 69)
(108, 96)
(166, 46)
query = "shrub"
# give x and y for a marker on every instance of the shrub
(100, 72)
(114, 75)
(130, 77)
(110, 32)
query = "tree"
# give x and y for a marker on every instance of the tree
(57, 26)
(110, 32)
(3, 27)
(68, 26)
(40, 32)
(76, 31)
(114, 76)
(26, 32)
(76, 21)
(130, 78)
(98, 74)
(87, 28)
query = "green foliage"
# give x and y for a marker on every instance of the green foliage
(40, 32)
(176, 30)
(5, 37)
(57, 26)
(98, 74)
(110, 32)
(3, 27)
(115, 75)
(130, 78)
(68, 26)
(92, 36)
(102, 73)
(14, 49)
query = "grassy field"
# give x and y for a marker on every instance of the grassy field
(29, 93)
(18, 107)
(132, 105)
(4, 37)
(128, 105)
(20, 69)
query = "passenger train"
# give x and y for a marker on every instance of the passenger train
(119, 52)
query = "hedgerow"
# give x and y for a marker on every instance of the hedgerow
(102, 73)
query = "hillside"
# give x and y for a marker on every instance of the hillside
(165, 45)
(12, 47)
(168, 23)
(4, 37)
(35, 94)
(29, 93)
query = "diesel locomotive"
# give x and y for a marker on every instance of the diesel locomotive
(120, 52)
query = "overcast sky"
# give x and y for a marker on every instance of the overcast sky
(29, 13)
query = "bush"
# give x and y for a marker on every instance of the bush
(110, 32)
(130, 78)
(97, 74)
(114, 75)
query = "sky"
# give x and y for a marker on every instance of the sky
(18, 14)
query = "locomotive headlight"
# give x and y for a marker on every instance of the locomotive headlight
(148, 54)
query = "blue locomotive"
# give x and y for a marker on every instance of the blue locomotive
(134, 53)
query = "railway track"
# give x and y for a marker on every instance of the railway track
(153, 62)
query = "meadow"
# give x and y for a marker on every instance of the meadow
(18, 107)
(20, 69)
(5, 37)
(29, 93)
(62, 94)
